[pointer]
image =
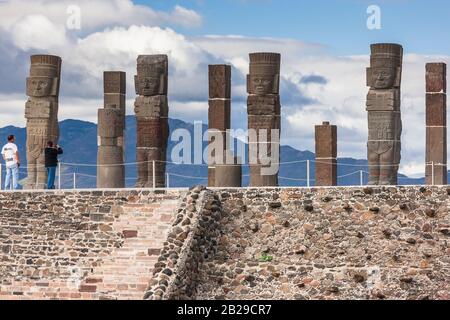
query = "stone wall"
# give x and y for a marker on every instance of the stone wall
(331, 243)
(191, 240)
(256, 243)
(82, 245)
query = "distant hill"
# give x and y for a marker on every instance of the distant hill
(79, 140)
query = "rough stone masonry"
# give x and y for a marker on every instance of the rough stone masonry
(152, 123)
(242, 243)
(436, 122)
(263, 87)
(384, 114)
(111, 127)
(41, 112)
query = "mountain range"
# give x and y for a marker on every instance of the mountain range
(79, 141)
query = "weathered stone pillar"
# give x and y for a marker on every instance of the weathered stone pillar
(436, 122)
(152, 120)
(228, 175)
(384, 116)
(263, 115)
(326, 155)
(41, 112)
(219, 112)
(111, 127)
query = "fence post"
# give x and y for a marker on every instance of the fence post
(168, 180)
(361, 178)
(74, 180)
(154, 175)
(307, 174)
(432, 173)
(59, 175)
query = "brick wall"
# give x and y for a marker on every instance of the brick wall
(82, 245)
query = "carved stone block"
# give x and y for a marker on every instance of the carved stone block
(436, 109)
(436, 145)
(326, 172)
(263, 105)
(151, 107)
(228, 176)
(41, 112)
(219, 114)
(219, 81)
(110, 172)
(326, 141)
(436, 77)
(110, 123)
(152, 72)
(114, 82)
(150, 133)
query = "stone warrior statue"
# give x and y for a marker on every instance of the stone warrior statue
(152, 113)
(263, 108)
(384, 117)
(41, 112)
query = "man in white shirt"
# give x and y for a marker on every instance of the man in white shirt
(10, 154)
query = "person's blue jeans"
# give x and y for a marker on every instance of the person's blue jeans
(12, 177)
(51, 173)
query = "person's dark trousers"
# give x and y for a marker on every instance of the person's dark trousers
(51, 173)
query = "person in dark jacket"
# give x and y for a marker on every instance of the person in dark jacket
(51, 162)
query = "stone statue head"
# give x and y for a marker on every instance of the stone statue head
(264, 77)
(385, 66)
(151, 78)
(44, 77)
(42, 87)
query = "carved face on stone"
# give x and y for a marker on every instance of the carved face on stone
(261, 84)
(383, 78)
(149, 86)
(40, 86)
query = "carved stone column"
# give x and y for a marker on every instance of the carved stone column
(41, 112)
(111, 127)
(384, 116)
(152, 123)
(263, 108)
(326, 155)
(436, 122)
(219, 112)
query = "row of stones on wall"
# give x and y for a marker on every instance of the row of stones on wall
(191, 240)
(360, 243)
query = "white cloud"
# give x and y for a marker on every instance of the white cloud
(95, 14)
(37, 32)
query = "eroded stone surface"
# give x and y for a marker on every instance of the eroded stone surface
(263, 109)
(339, 243)
(436, 122)
(41, 112)
(384, 116)
(152, 124)
(326, 155)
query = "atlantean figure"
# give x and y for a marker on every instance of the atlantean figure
(152, 112)
(41, 112)
(111, 126)
(263, 108)
(384, 116)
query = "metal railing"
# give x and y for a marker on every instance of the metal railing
(73, 179)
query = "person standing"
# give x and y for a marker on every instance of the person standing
(51, 162)
(10, 154)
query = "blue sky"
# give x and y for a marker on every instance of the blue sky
(422, 26)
